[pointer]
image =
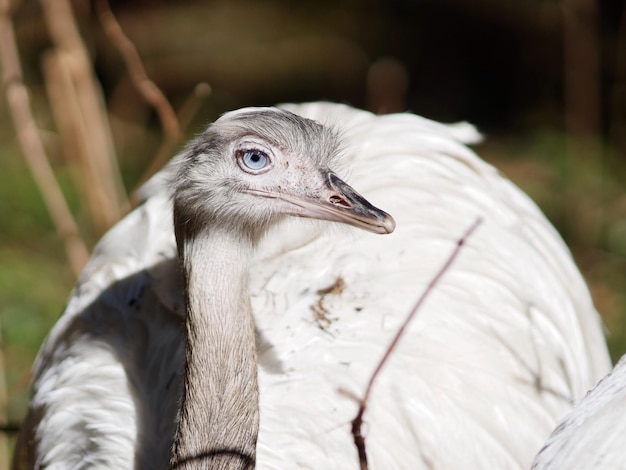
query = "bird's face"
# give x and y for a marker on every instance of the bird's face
(254, 166)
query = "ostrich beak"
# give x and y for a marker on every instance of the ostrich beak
(336, 202)
(341, 203)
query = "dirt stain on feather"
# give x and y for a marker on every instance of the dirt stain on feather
(321, 314)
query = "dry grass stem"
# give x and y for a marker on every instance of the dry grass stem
(65, 106)
(185, 115)
(18, 102)
(146, 87)
(65, 36)
(357, 422)
(190, 106)
(32, 147)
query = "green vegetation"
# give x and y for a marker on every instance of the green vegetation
(34, 276)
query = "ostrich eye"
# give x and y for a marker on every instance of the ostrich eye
(253, 160)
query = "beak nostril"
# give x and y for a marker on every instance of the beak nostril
(339, 201)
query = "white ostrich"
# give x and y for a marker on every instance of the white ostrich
(492, 361)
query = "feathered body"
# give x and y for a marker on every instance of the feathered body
(504, 345)
(593, 434)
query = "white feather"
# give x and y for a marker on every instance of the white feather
(493, 360)
(592, 434)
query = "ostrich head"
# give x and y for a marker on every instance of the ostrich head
(255, 165)
(245, 172)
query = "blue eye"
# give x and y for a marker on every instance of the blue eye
(254, 160)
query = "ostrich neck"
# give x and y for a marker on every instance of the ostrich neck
(218, 421)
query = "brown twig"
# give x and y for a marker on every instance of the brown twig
(190, 106)
(103, 166)
(146, 87)
(32, 147)
(68, 116)
(185, 115)
(357, 422)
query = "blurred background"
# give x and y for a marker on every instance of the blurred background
(113, 90)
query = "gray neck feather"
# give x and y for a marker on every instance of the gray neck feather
(219, 416)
